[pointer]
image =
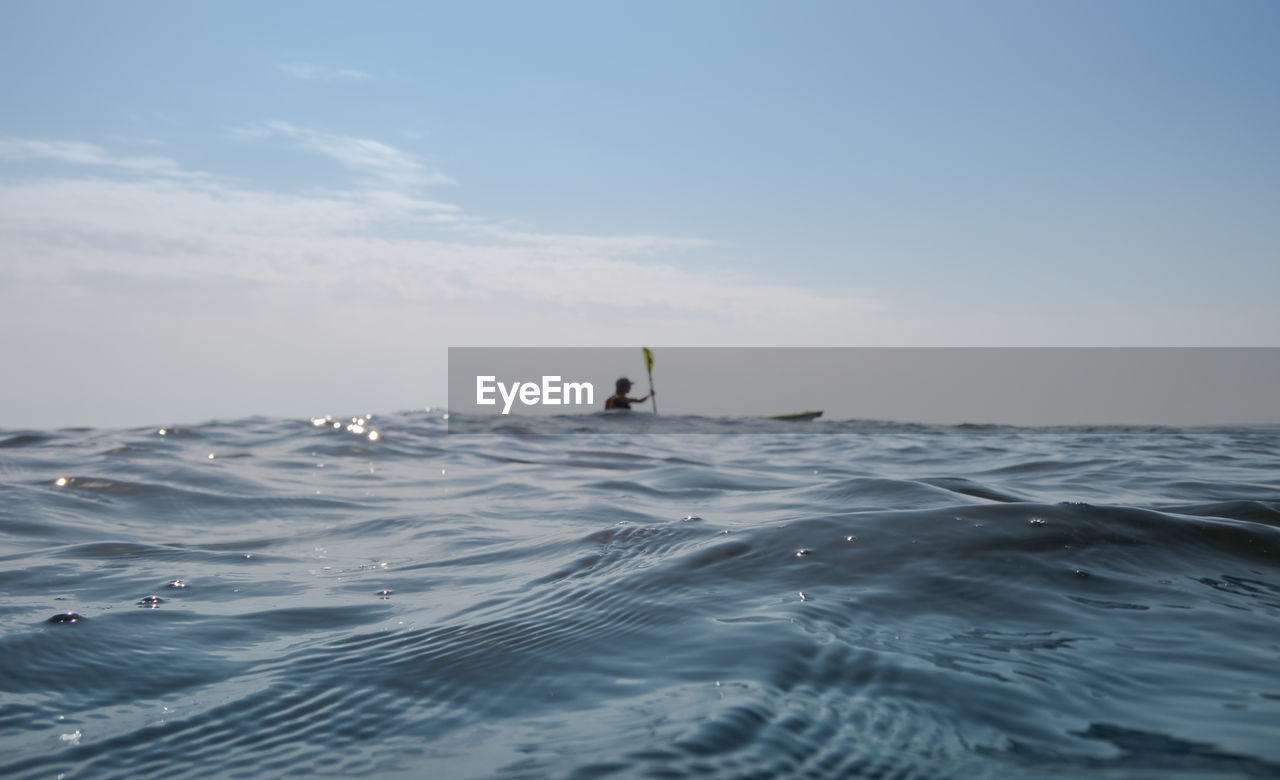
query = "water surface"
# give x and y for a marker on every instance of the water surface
(270, 597)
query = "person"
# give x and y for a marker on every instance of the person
(619, 399)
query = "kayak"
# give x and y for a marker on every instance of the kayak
(793, 416)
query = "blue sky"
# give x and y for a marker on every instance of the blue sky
(294, 208)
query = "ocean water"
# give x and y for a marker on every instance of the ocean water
(673, 598)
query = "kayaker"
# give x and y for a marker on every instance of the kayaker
(619, 399)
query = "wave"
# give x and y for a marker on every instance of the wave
(893, 602)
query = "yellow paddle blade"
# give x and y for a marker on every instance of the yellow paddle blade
(648, 360)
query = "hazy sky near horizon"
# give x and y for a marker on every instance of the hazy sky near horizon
(294, 208)
(1028, 386)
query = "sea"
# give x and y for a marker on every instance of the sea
(401, 595)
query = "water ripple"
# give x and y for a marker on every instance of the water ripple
(890, 601)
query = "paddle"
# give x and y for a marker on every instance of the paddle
(648, 365)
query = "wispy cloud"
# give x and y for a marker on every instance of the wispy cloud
(376, 161)
(380, 242)
(306, 71)
(81, 153)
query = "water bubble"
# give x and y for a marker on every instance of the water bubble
(66, 617)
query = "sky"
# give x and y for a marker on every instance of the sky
(1027, 386)
(221, 210)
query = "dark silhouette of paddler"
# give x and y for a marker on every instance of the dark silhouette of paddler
(619, 400)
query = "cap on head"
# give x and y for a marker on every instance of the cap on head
(623, 384)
